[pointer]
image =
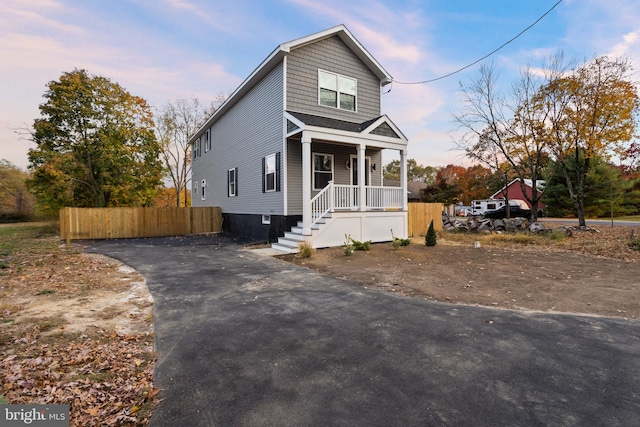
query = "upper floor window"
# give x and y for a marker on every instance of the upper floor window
(207, 140)
(336, 91)
(197, 147)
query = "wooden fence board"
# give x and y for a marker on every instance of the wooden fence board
(114, 223)
(420, 216)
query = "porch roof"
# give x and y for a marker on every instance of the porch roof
(333, 128)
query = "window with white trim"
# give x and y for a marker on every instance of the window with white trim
(207, 140)
(335, 90)
(266, 219)
(196, 148)
(322, 170)
(203, 187)
(232, 182)
(270, 173)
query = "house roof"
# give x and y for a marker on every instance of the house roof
(413, 187)
(283, 50)
(528, 182)
(303, 119)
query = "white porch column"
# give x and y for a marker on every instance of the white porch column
(306, 184)
(361, 177)
(403, 178)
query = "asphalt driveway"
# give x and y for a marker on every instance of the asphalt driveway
(249, 340)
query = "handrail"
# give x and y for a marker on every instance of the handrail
(346, 197)
(322, 203)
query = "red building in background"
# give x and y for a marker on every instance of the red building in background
(513, 191)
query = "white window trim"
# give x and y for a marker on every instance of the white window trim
(207, 140)
(235, 182)
(313, 168)
(203, 195)
(195, 187)
(266, 219)
(337, 107)
(275, 173)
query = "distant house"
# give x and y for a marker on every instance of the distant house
(414, 188)
(514, 191)
(295, 153)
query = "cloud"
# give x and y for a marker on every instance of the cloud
(629, 42)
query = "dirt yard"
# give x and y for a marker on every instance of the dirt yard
(75, 328)
(593, 273)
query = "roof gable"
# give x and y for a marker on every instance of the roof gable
(276, 57)
(348, 38)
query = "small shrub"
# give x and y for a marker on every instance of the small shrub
(348, 248)
(430, 239)
(360, 246)
(634, 241)
(396, 242)
(305, 250)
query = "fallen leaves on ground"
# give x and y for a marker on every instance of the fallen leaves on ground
(107, 378)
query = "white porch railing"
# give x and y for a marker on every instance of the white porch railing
(384, 197)
(347, 197)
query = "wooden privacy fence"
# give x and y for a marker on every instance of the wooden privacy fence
(421, 214)
(114, 223)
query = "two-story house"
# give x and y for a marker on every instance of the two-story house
(295, 153)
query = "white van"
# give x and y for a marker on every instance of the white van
(479, 207)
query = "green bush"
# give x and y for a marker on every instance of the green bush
(431, 239)
(361, 246)
(396, 242)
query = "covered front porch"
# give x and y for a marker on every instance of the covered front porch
(340, 180)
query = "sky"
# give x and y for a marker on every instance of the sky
(162, 50)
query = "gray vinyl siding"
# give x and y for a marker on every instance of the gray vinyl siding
(330, 55)
(249, 131)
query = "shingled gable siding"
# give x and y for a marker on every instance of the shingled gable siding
(330, 55)
(251, 130)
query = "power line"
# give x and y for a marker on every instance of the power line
(484, 57)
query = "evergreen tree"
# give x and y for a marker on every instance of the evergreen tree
(431, 238)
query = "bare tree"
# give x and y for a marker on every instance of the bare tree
(176, 123)
(506, 133)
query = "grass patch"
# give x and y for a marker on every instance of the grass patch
(305, 250)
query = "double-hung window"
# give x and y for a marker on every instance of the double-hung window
(336, 91)
(269, 168)
(322, 170)
(232, 182)
(207, 140)
(196, 148)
